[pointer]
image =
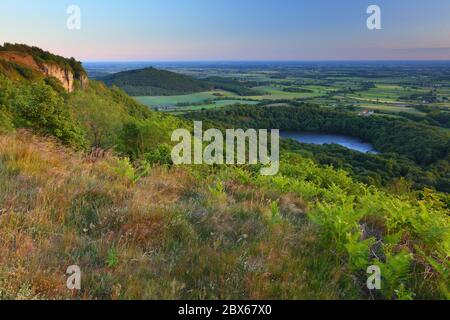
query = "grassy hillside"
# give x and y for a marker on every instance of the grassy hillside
(197, 233)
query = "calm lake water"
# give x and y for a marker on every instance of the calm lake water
(322, 138)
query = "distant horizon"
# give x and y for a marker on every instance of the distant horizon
(261, 61)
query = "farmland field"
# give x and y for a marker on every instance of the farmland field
(214, 104)
(386, 108)
(195, 101)
(273, 92)
(173, 100)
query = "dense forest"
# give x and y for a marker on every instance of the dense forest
(433, 116)
(154, 82)
(412, 150)
(151, 81)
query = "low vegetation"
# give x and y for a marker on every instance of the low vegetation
(198, 233)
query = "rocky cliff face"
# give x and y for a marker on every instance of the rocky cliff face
(65, 75)
(84, 81)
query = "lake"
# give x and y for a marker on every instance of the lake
(323, 138)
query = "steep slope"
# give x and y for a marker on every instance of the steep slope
(16, 59)
(197, 233)
(80, 115)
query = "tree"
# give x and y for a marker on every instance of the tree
(39, 107)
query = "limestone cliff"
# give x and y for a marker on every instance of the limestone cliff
(65, 76)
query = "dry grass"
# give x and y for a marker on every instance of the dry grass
(168, 236)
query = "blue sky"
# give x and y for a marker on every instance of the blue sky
(162, 30)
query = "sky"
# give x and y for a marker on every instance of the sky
(223, 30)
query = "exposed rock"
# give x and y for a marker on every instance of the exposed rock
(19, 58)
(64, 75)
(84, 81)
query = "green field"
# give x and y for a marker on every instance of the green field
(275, 92)
(167, 101)
(386, 108)
(198, 101)
(195, 101)
(216, 104)
(386, 93)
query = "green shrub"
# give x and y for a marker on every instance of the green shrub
(38, 106)
(113, 258)
(160, 155)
